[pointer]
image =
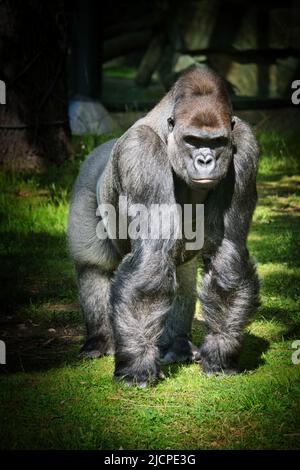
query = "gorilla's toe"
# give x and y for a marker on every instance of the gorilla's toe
(139, 379)
(96, 346)
(90, 354)
(217, 371)
(181, 352)
(211, 369)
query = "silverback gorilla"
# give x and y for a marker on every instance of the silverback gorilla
(138, 295)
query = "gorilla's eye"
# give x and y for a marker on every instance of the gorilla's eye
(193, 141)
(198, 142)
(171, 123)
(219, 142)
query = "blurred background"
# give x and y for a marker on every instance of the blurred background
(98, 69)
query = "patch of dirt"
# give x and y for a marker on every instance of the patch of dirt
(31, 346)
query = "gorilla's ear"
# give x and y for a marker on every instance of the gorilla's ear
(171, 123)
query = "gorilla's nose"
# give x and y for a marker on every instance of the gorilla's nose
(204, 162)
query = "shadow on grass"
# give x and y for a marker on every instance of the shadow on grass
(252, 350)
(251, 355)
(284, 318)
(41, 350)
(274, 177)
(34, 268)
(39, 356)
(276, 244)
(39, 321)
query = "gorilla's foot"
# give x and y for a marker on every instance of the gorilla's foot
(141, 380)
(139, 377)
(181, 351)
(96, 346)
(219, 355)
(211, 367)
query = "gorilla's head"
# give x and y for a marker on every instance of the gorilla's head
(200, 144)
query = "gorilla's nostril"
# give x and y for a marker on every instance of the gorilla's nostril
(200, 161)
(204, 161)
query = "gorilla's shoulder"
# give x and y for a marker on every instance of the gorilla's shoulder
(244, 138)
(140, 140)
(141, 162)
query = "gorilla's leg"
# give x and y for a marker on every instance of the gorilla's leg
(230, 295)
(175, 343)
(94, 289)
(141, 297)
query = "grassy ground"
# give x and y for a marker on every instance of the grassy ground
(51, 399)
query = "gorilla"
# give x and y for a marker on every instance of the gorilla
(138, 295)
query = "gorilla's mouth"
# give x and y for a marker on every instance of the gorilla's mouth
(204, 184)
(205, 180)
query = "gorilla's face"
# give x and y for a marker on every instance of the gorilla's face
(200, 148)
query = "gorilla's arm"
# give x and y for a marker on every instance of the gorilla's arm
(230, 285)
(142, 289)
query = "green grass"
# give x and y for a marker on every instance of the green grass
(51, 399)
(119, 72)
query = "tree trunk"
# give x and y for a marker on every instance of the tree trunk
(126, 43)
(33, 47)
(150, 60)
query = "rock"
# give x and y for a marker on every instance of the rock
(183, 61)
(87, 116)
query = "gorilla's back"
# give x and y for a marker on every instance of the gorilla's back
(93, 167)
(84, 245)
